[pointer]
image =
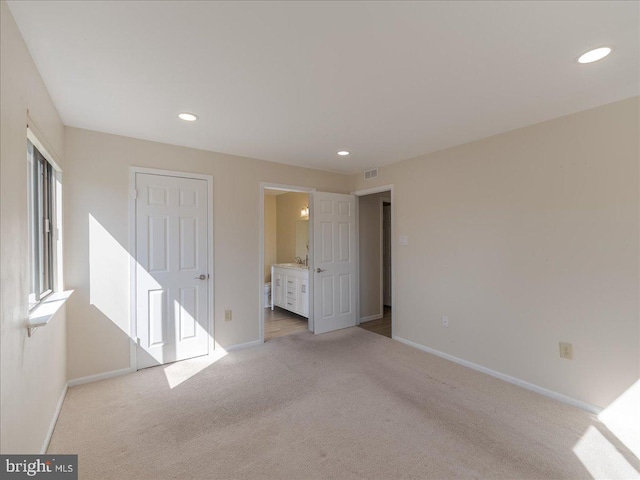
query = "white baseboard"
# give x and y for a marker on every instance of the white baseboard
(54, 420)
(100, 376)
(377, 316)
(240, 346)
(507, 378)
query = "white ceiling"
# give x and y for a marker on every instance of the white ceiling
(294, 82)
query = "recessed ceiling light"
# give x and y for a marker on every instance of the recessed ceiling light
(188, 117)
(343, 153)
(594, 55)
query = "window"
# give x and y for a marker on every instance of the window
(41, 188)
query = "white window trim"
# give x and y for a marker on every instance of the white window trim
(46, 309)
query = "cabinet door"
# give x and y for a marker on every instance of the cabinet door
(302, 299)
(279, 289)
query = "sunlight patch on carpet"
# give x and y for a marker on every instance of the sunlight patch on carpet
(601, 458)
(179, 372)
(622, 418)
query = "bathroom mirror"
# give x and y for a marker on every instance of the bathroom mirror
(302, 238)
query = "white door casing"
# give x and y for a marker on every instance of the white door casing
(334, 261)
(386, 254)
(171, 250)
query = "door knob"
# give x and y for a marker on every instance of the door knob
(202, 277)
(319, 270)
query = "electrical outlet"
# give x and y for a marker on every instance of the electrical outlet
(228, 315)
(445, 321)
(566, 351)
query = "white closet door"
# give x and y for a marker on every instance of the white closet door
(171, 271)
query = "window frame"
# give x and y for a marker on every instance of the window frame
(43, 199)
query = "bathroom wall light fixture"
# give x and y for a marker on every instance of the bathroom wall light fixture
(304, 213)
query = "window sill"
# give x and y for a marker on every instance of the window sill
(46, 310)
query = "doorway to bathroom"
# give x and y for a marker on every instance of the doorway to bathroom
(285, 263)
(322, 286)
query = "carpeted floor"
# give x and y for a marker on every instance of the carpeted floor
(347, 404)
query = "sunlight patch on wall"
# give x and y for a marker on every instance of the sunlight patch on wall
(108, 275)
(600, 458)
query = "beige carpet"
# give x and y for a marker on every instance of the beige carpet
(347, 404)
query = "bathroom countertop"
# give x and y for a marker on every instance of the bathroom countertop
(296, 266)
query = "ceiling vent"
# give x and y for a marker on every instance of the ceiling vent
(369, 174)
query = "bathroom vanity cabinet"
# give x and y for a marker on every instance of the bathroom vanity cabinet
(290, 288)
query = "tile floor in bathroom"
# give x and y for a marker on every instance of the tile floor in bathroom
(279, 322)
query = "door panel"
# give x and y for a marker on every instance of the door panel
(157, 315)
(171, 253)
(326, 242)
(345, 293)
(158, 239)
(327, 296)
(188, 312)
(344, 242)
(334, 251)
(188, 243)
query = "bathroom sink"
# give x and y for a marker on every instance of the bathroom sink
(291, 265)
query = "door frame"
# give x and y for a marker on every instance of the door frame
(368, 191)
(384, 200)
(133, 326)
(288, 188)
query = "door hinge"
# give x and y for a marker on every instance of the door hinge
(47, 225)
(134, 194)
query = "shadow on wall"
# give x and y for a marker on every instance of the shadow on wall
(110, 294)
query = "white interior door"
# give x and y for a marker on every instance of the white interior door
(171, 269)
(334, 261)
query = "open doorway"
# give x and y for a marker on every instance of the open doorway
(324, 282)
(285, 261)
(375, 237)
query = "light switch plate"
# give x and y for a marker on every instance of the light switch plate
(404, 240)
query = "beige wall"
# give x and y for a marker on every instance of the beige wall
(370, 245)
(97, 227)
(270, 237)
(288, 206)
(524, 240)
(32, 375)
